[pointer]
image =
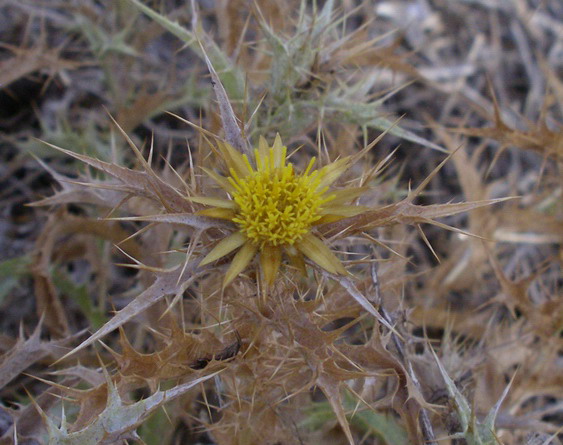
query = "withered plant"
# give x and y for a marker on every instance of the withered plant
(263, 263)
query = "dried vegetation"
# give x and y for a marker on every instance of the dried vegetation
(447, 328)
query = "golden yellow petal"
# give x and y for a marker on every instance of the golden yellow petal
(263, 148)
(215, 202)
(336, 213)
(220, 180)
(328, 219)
(343, 196)
(331, 172)
(240, 261)
(216, 212)
(296, 259)
(224, 247)
(270, 260)
(234, 159)
(280, 152)
(314, 249)
(278, 145)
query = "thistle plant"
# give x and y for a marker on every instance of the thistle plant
(274, 277)
(269, 209)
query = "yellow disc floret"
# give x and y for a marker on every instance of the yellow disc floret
(276, 206)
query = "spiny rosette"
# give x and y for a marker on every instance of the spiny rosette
(275, 208)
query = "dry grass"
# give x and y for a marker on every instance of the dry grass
(448, 328)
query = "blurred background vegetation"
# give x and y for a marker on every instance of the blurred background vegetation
(481, 77)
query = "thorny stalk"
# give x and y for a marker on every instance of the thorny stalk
(424, 419)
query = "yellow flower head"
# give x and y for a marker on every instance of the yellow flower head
(276, 206)
(275, 209)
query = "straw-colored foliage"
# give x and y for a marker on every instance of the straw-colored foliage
(281, 222)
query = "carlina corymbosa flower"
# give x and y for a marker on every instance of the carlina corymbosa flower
(276, 209)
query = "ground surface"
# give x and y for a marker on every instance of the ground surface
(479, 285)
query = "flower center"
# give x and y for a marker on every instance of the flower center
(276, 206)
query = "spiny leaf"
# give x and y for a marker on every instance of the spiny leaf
(29, 60)
(331, 390)
(230, 74)
(118, 420)
(72, 192)
(370, 115)
(144, 183)
(27, 352)
(184, 219)
(538, 138)
(403, 212)
(462, 406)
(353, 291)
(233, 133)
(166, 283)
